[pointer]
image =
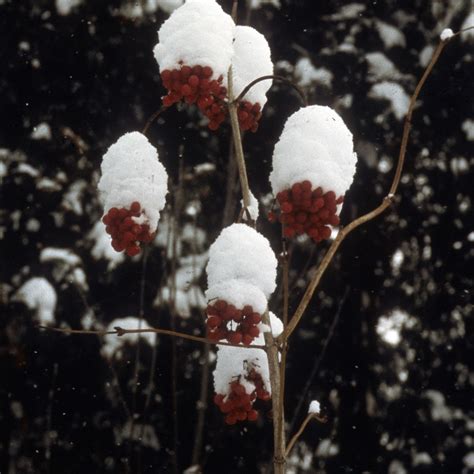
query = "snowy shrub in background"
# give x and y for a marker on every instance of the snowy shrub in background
(133, 187)
(38, 295)
(313, 167)
(197, 45)
(241, 275)
(242, 376)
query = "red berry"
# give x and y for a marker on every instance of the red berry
(306, 185)
(133, 250)
(286, 207)
(252, 415)
(193, 81)
(234, 337)
(213, 322)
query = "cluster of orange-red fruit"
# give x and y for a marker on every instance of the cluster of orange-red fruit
(304, 210)
(245, 321)
(195, 86)
(238, 404)
(126, 234)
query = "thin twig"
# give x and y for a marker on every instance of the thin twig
(266, 78)
(121, 331)
(239, 152)
(370, 215)
(311, 416)
(152, 118)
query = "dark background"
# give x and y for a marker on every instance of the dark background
(91, 76)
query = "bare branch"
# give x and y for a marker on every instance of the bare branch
(152, 118)
(370, 215)
(311, 416)
(275, 78)
(121, 332)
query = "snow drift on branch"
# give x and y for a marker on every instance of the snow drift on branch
(241, 253)
(132, 172)
(199, 32)
(315, 145)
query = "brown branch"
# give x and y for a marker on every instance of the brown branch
(370, 215)
(152, 118)
(311, 416)
(265, 78)
(121, 331)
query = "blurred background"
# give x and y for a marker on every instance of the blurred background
(386, 345)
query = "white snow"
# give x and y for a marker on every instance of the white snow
(306, 74)
(395, 94)
(389, 327)
(390, 35)
(426, 54)
(314, 407)
(38, 294)
(197, 33)
(468, 128)
(422, 458)
(42, 131)
(25, 168)
(113, 344)
(131, 171)
(315, 145)
(254, 4)
(468, 23)
(446, 34)
(102, 248)
(253, 207)
(241, 253)
(397, 259)
(251, 59)
(380, 67)
(64, 7)
(235, 362)
(468, 460)
(239, 293)
(54, 253)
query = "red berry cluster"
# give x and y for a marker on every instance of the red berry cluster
(249, 115)
(304, 210)
(238, 405)
(244, 320)
(126, 233)
(194, 86)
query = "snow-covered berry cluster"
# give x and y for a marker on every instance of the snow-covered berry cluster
(304, 210)
(241, 275)
(241, 377)
(243, 323)
(196, 70)
(313, 167)
(133, 187)
(126, 234)
(195, 85)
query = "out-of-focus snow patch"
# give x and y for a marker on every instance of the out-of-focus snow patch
(314, 407)
(422, 458)
(65, 7)
(48, 185)
(396, 467)
(326, 448)
(25, 168)
(254, 4)
(168, 6)
(204, 168)
(113, 344)
(42, 131)
(102, 248)
(468, 460)
(72, 197)
(425, 55)
(389, 327)
(395, 94)
(38, 294)
(468, 128)
(380, 67)
(446, 34)
(390, 35)
(468, 23)
(306, 74)
(53, 253)
(459, 165)
(397, 260)
(143, 433)
(347, 12)
(439, 410)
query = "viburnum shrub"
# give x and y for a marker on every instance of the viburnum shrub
(206, 60)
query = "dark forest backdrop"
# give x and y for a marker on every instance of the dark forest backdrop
(395, 377)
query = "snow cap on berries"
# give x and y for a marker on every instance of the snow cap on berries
(238, 293)
(235, 363)
(251, 60)
(241, 253)
(132, 172)
(197, 33)
(316, 146)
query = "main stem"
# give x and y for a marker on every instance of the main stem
(279, 442)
